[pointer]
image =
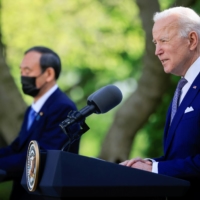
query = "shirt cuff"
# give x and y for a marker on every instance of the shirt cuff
(154, 165)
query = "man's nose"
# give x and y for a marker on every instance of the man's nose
(158, 50)
(22, 72)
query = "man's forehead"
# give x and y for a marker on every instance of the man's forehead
(31, 59)
(165, 24)
(162, 28)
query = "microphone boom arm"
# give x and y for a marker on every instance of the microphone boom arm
(72, 117)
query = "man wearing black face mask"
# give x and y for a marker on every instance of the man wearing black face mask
(40, 68)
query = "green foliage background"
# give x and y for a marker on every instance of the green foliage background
(100, 42)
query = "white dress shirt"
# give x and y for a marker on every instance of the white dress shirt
(40, 102)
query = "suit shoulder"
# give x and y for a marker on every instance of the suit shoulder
(60, 99)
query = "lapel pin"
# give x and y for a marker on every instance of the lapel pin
(195, 87)
(40, 115)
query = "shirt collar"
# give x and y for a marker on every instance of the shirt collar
(40, 102)
(193, 71)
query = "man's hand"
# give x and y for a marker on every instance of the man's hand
(138, 163)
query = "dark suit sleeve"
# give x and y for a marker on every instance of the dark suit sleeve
(187, 168)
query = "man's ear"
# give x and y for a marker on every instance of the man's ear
(50, 73)
(193, 38)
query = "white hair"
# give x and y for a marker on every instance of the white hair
(189, 20)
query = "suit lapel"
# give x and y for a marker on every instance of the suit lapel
(39, 118)
(187, 101)
(42, 112)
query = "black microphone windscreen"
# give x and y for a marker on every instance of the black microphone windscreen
(105, 98)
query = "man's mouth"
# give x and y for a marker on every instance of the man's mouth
(163, 61)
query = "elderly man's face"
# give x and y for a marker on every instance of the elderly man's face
(172, 50)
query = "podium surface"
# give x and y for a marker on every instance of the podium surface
(66, 174)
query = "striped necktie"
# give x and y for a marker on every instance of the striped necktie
(177, 95)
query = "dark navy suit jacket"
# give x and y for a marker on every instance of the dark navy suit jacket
(182, 140)
(45, 130)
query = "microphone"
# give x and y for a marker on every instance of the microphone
(98, 102)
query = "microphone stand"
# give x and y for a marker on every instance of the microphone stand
(73, 118)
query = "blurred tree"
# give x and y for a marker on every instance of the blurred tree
(99, 43)
(11, 101)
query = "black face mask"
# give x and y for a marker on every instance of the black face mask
(28, 86)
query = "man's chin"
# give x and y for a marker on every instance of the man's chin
(167, 71)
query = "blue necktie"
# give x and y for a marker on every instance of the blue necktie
(177, 95)
(31, 117)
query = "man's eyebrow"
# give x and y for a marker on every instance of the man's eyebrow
(25, 67)
(161, 39)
